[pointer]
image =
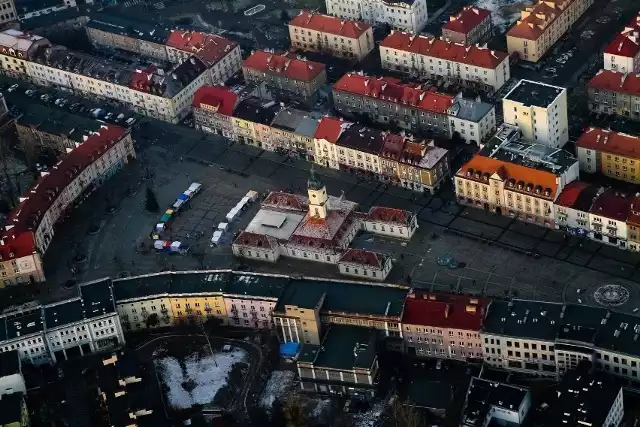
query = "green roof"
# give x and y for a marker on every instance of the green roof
(345, 296)
(344, 347)
(256, 285)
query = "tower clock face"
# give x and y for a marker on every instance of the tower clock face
(25, 265)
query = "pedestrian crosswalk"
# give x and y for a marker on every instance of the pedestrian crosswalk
(130, 3)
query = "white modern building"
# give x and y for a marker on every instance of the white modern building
(406, 15)
(540, 111)
(426, 57)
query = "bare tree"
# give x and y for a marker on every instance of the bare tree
(295, 413)
(402, 415)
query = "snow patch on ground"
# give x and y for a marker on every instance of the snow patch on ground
(202, 376)
(279, 383)
(504, 12)
(319, 408)
(371, 417)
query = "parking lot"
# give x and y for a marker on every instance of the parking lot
(19, 94)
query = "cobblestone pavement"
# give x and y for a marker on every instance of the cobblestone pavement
(495, 255)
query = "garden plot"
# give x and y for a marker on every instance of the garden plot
(196, 379)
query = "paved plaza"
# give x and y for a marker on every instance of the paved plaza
(490, 254)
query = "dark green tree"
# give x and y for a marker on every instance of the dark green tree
(152, 320)
(151, 202)
(278, 416)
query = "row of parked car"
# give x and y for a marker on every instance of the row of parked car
(63, 100)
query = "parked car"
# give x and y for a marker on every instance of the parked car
(12, 88)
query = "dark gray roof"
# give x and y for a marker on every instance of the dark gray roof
(54, 121)
(11, 408)
(530, 93)
(97, 298)
(257, 111)
(3, 329)
(344, 347)
(345, 297)
(9, 363)
(198, 282)
(582, 398)
(265, 286)
(134, 28)
(568, 323)
(23, 323)
(469, 109)
(141, 286)
(64, 313)
(53, 18)
(485, 394)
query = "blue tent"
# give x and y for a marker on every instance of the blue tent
(289, 349)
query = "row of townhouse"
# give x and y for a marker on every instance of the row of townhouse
(162, 93)
(411, 163)
(85, 324)
(333, 328)
(286, 76)
(30, 226)
(327, 34)
(472, 25)
(541, 25)
(430, 57)
(413, 107)
(538, 184)
(516, 178)
(623, 53)
(150, 39)
(614, 92)
(407, 15)
(328, 141)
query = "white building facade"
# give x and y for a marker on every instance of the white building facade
(425, 56)
(407, 15)
(540, 112)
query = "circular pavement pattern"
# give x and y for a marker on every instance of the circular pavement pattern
(611, 295)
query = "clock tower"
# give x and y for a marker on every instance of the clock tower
(318, 198)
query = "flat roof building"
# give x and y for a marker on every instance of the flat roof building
(540, 111)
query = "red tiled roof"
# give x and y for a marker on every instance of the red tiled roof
(218, 97)
(296, 69)
(363, 257)
(141, 80)
(570, 193)
(26, 217)
(541, 16)
(613, 205)
(610, 142)
(614, 81)
(510, 171)
(390, 90)
(445, 311)
(430, 46)
(331, 228)
(330, 129)
(390, 215)
(468, 19)
(18, 245)
(210, 48)
(393, 146)
(286, 201)
(254, 240)
(627, 41)
(329, 24)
